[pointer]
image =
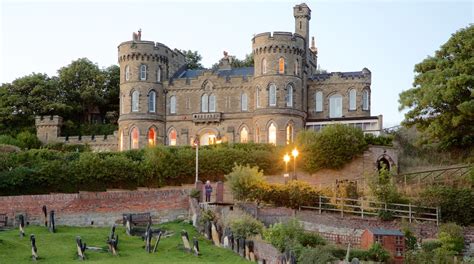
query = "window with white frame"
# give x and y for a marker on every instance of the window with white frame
(212, 103)
(319, 101)
(272, 134)
(352, 99)
(152, 102)
(142, 72)
(244, 102)
(272, 95)
(173, 104)
(289, 95)
(335, 106)
(127, 73)
(204, 103)
(244, 135)
(365, 100)
(135, 98)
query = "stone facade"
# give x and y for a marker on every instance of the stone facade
(162, 102)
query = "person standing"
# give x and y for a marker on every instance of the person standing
(208, 189)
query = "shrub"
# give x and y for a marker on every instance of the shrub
(382, 187)
(195, 193)
(456, 204)
(378, 253)
(243, 180)
(9, 140)
(207, 215)
(430, 245)
(451, 237)
(382, 140)
(410, 239)
(68, 147)
(28, 140)
(385, 215)
(315, 256)
(245, 226)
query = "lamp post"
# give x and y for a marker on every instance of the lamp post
(286, 159)
(196, 144)
(295, 154)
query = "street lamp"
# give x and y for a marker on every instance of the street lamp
(286, 159)
(295, 154)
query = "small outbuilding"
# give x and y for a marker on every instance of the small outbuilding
(391, 240)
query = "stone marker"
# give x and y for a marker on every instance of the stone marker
(148, 237)
(52, 224)
(81, 248)
(196, 247)
(128, 224)
(355, 261)
(290, 257)
(157, 241)
(215, 235)
(207, 230)
(185, 238)
(249, 253)
(34, 250)
(112, 241)
(45, 213)
(226, 237)
(21, 225)
(241, 247)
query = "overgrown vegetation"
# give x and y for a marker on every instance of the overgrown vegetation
(23, 140)
(245, 226)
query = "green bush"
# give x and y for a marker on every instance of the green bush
(451, 237)
(68, 147)
(195, 193)
(28, 140)
(332, 147)
(243, 180)
(315, 256)
(378, 253)
(456, 204)
(9, 140)
(383, 189)
(385, 215)
(430, 245)
(382, 140)
(245, 226)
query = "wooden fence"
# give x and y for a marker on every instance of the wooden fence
(367, 208)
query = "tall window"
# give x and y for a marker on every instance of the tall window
(289, 96)
(127, 73)
(204, 103)
(272, 138)
(244, 135)
(319, 101)
(289, 133)
(264, 66)
(352, 99)
(135, 97)
(158, 74)
(257, 97)
(152, 102)
(365, 100)
(335, 105)
(143, 72)
(281, 66)
(244, 102)
(272, 95)
(173, 104)
(151, 137)
(134, 138)
(212, 103)
(257, 135)
(121, 140)
(297, 67)
(172, 137)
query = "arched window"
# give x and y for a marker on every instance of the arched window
(272, 95)
(212, 103)
(289, 134)
(319, 101)
(335, 105)
(172, 137)
(204, 103)
(127, 73)
(257, 97)
(134, 138)
(244, 102)
(121, 140)
(272, 138)
(135, 97)
(143, 72)
(244, 135)
(352, 99)
(151, 137)
(158, 74)
(281, 66)
(152, 102)
(264, 66)
(289, 95)
(297, 67)
(257, 135)
(365, 100)
(173, 104)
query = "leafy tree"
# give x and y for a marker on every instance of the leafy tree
(246, 62)
(193, 60)
(245, 226)
(243, 180)
(441, 103)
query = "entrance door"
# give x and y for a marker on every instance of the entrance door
(207, 139)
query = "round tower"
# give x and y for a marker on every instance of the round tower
(143, 68)
(278, 78)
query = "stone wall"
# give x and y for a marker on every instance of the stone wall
(99, 208)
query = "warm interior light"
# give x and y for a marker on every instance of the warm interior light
(295, 153)
(286, 158)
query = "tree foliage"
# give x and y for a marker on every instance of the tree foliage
(441, 103)
(192, 59)
(246, 62)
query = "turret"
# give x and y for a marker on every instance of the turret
(302, 15)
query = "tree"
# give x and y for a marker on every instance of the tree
(247, 62)
(441, 102)
(193, 60)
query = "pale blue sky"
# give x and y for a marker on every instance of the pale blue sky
(388, 37)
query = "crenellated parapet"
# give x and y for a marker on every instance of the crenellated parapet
(363, 76)
(278, 42)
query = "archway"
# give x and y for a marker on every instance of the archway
(383, 163)
(207, 138)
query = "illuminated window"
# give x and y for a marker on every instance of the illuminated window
(289, 96)
(135, 96)
(143, 72)
(281, 66)
(257, 135)
(173, 104)
(121, 140)
(172, 137)
(151, 137)
(257, 97)
(264, 66)
(319, 101)
(204, 103)
(335, 105)
(352, 99)
(212, 103)
(134, 138)
(158, 74)
(365, 100)
(289, 134)
(244, 135)
(127, 73)
(272, 95)
(272, 134)
(152, 102)
(244, 102)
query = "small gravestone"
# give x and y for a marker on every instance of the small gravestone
(355, 261)
(196, 247)
(45, 214)
(128, 224)
(236, 245)
(185, 238)
(81, 248)
(157, 241)
(226, 237)
(249, 253)
(148, 237)
(52, 224)
(281, 259)
(215, 235)
(241, 247)
(21, 225)
(112, 241)
(290, 257)
(34, 250)
(207, 230)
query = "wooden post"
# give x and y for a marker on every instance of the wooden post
(438, 215)
(409, 211)
(320, 204)
(342, 207)
(362, 206)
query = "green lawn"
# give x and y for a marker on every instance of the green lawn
(60, 247)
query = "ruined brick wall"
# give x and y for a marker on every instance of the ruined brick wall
(99, 208)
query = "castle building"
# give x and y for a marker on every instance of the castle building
(162, 102)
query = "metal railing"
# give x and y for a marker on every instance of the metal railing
(444, 175)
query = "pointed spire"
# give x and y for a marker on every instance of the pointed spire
(313, 45)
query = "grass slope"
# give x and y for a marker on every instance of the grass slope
(60, 247)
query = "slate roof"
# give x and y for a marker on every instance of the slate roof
(385, 232)
(246, 71)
